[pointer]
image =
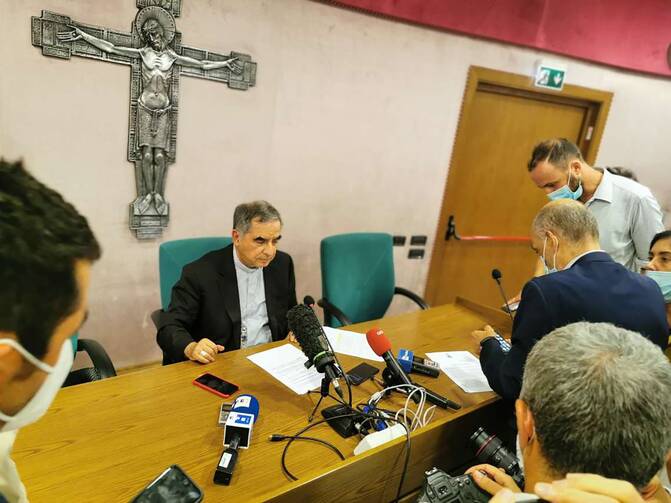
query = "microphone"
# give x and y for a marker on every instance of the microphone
(381, 346)
(408, 363)
(309, 301)
(496, 275)
(237, 435)
(308, 332)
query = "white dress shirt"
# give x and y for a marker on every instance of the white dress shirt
(11, 486)
(628, 216)
(254, 327)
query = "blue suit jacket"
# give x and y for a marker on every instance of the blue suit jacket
(595, 289)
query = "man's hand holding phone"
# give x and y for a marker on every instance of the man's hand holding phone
(203, 351)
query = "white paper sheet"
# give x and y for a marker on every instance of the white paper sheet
(463, 368)
(286, 364)
(350, 343)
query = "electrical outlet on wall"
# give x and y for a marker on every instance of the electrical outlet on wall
(416, 253)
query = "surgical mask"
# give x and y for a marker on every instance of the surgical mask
(40, 402)
(663, 279)
(554, 259)
(565, 192)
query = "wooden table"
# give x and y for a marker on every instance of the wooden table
(105, 441)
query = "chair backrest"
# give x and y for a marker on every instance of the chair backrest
(358, 274)
(174, 255)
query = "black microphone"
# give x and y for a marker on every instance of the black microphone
(308, 332)
(496, 275)
(309, 301)
(381, 346)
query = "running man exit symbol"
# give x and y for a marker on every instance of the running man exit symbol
(550, 77)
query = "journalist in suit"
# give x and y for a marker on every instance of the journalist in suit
(582, 283)
(232, 298)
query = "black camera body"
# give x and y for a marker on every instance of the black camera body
(439, 487)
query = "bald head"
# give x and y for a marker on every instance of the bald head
(569, 220)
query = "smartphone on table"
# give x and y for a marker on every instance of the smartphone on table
(216, 385)
(171, 486)
(361, 373)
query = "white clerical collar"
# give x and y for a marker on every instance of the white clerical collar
(240, 265)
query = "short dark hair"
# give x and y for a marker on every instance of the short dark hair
(41, 237)
(245, 213)
(659, 236)
(557, 151)
(622, 171)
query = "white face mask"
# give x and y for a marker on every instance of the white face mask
(40, 402)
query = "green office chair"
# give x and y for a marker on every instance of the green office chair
(358, 278)
(174, 255)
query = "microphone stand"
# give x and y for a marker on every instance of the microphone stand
(324, 392)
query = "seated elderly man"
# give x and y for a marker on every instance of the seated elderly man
(583, 284)
(595, 399)
(232, 298)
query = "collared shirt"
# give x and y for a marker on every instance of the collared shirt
(628, 216)
(253, 312)
(11, 487)
(575, 259)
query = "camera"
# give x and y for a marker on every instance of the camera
(439, 487)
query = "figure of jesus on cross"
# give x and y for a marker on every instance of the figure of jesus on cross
(154, 119)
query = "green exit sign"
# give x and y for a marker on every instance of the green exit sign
(550, 77)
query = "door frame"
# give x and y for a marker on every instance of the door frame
(598, 103)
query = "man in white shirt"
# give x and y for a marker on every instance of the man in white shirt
(626, 211)
(46, 252)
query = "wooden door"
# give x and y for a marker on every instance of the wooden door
(488, 190)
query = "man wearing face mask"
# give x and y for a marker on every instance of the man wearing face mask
(46, 252)
(659, 267)
(627, 212)
(583, 283)
(595, 399)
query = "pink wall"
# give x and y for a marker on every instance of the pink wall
(623, 33)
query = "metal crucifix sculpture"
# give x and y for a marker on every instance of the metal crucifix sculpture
(157, 58)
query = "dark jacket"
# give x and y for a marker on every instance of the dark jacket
(205, 304)
(594, 289)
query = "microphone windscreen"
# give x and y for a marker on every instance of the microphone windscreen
(247, 404)
(377, 341)
(308, 300)
(306, 328)
(496, 274)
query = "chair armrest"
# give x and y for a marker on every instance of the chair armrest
(412, 296)
(155, 317)
(99, 357)
(331, 310)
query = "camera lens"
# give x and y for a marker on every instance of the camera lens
(490, 450)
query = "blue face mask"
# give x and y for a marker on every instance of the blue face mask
(554, 259)
(663, 279)
(565, 192)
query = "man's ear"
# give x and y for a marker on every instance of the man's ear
(525, 423)
(236, 236)
(575, 166)
(10, 361)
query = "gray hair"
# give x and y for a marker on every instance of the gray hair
(601, 401)
(568, 219)
(245, 213)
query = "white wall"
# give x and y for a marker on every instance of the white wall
(349, 128)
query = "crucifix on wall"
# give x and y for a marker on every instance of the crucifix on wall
(157, 58)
